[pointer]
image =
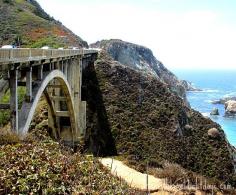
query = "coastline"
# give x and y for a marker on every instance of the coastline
(215, 85)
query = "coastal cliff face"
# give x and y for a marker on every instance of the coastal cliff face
(24, 23)
(147, 122)
(141, 58)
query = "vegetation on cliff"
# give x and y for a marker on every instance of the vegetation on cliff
(24, 23)
(150, 124)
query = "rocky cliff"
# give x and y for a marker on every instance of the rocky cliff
(139, 118)
(24, 23)
(141, 58)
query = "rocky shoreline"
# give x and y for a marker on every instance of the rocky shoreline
(230, 106)
(223, 100)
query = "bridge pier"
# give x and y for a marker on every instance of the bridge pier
(40, 72)
(66, 69)
(14, 100)
(29, 82)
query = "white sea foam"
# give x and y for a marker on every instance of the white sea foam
(231, 94)
(207, 91)
(211, 90)
(206, 114)
(209, 101)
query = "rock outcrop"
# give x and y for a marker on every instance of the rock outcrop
(188, 86)
(141, 58)
(230, 108)
(223, 100)
(214, 111)
(214, 132)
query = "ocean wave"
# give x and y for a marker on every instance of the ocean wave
(211, 90)
(209, 101)
(231, 94)
(207, 91)
(205, 114)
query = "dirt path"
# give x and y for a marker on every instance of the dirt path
(134, 178)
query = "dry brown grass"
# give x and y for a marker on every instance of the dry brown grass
(174, 173)
(7, 136)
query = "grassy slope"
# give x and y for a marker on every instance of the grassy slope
(45, 167)
(40, 165)
(32, 26)
(145, 120)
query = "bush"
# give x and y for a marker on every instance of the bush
(50, 41)
(8, 1)
(173, 172)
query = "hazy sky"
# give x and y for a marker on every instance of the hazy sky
(181, 33)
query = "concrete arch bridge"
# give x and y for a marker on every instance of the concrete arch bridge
(54, 74)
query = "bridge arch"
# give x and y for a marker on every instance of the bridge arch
(28, 108)
(35, 69)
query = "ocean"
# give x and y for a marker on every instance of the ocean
(215, 84)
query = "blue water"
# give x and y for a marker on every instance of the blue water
(215, 85)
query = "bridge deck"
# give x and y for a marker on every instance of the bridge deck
(16, 56)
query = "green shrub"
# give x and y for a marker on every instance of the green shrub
(5, 114)
(8, 1)
(50, 41)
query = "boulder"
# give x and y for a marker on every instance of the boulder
(213, 132)
(214, 111)
(230, 108)
(188, 127)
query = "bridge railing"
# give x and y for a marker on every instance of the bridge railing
(12, 54)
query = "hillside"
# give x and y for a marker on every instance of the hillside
(24, 23)
(141, 58)
(41, 165)
(144, 121)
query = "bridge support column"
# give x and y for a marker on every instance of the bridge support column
(29, 84)
(51, 66)
(79, 106)
(14, 100)
(57, 107)
(66, 69)
(40, 73)
(57, 65)
(62, 66)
